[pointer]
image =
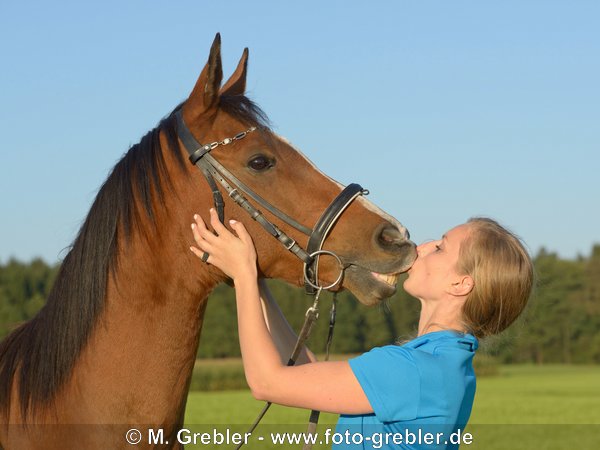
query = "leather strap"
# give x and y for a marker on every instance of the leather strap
(324, 226)
(211, 169)
(220, 169)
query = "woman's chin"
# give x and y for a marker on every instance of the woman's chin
(406, 285)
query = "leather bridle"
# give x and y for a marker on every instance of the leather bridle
(199, 155)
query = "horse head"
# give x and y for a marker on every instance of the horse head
(372, 246)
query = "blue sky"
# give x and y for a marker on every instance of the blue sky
(444, 109)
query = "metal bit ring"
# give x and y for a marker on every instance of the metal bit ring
(338, 279)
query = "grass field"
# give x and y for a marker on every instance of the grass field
(523, 407)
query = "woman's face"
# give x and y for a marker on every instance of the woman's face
(433, 274)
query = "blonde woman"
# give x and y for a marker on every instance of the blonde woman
(473, 282)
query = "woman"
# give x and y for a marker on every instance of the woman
(473, 282)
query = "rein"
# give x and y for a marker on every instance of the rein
(211, 169)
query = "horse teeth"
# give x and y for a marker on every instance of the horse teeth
(390, 279)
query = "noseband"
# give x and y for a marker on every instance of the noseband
(199, 155)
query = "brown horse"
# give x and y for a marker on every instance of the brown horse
(115, 344)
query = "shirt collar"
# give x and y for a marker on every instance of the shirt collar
(462, 338)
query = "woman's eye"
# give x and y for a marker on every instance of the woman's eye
(260, 163)
(438, 248)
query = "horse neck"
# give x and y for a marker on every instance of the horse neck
(144, 346)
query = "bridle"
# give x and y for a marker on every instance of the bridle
(199, 155)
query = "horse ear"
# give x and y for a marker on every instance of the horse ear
(205, 95)
(236, 85)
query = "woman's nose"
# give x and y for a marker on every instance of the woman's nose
(421, 248)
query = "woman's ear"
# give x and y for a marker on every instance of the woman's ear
(462, 286)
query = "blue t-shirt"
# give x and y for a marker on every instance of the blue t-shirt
(425, 386)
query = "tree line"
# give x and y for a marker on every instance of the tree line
(560, 325)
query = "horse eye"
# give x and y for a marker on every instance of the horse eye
(260, 163)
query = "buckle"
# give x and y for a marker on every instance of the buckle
(289, 247)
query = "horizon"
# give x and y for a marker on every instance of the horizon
(443, 112)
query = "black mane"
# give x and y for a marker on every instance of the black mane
(42, 352)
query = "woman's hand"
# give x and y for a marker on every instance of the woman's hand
(234, 255)
(268, 378)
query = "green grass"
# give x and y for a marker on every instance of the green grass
(533, 407)
(552, 394)
(523, 407)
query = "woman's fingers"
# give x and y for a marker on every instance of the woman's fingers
(217, 225)
(200, 222)
(204, 246)
(199, 237)
(241, 231)
(203, 231)
(223, 249)
(200, 253)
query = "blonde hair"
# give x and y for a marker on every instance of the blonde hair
(502, 272)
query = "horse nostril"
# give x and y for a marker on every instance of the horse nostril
(391, 237)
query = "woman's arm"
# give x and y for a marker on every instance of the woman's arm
(281, 332)
(325, 386)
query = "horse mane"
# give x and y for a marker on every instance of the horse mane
(41, 353)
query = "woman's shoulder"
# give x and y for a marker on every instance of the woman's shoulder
(429, 342)
(392, 358)
(437, 350)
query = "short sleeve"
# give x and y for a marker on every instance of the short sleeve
(390, 380)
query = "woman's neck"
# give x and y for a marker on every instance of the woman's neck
(440, 315)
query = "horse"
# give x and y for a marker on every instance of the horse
(114, 346)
